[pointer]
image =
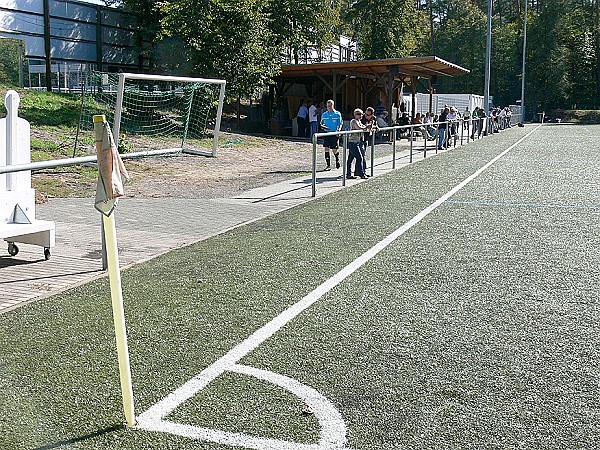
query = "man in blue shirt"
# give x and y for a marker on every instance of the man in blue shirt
(302, 118)
(331, 120)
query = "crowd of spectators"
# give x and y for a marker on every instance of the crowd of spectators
(312, 118)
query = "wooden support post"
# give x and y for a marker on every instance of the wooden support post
(413, 93)
(430, 96)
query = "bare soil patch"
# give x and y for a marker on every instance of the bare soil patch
(243, 162)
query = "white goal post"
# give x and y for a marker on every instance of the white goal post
(123, 77)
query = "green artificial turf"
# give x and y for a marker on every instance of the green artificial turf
(476, 329)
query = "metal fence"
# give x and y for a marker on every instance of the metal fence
(458, 132)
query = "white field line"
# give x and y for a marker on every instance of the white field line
(333, 428)
(152, 418)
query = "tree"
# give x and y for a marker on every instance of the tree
(460, 39)
(387, 28)
(10, 57)
(149, 31)
(299, 24)
(229, 39)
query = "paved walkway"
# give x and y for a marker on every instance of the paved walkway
(147, 228)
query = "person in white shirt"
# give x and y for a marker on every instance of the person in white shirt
(428, 120)
(452, 118)
(354, 144)
(313, 118)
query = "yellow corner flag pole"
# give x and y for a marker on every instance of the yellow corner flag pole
(110, 234)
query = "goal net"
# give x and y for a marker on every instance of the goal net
(153, 112)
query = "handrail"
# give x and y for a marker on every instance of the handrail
(64, 162)
(344, 133)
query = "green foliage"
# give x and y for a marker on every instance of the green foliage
(297, 25)
(10, 70)
(124, 146)
(461, 40)
(242, 41)
(582, 116)
(563, 51)
(230, 40)
(387, 29)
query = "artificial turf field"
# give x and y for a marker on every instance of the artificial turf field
(478, 327)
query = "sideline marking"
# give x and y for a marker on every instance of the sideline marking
(152, 418)
(526, 205)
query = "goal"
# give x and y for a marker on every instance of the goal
(155, 112)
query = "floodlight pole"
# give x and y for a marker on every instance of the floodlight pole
(488, 57)
(523, 71)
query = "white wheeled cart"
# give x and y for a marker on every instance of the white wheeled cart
(17, 198)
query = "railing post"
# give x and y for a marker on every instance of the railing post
(314, 165)
(344, 158)
(446, 138)
(372, 154)
(412, 136)
(469, 123)
(394, 149)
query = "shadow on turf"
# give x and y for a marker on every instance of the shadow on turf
(81, 438)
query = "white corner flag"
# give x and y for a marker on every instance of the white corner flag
(111, 171)
(110, 187)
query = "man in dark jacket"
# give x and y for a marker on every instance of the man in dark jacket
(442, 129)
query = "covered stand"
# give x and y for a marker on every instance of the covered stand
(357, 83)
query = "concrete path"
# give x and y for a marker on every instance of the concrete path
(147, 228)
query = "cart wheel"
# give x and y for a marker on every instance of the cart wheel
(46, 253)
(13, 250)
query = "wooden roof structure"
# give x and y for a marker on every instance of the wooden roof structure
(364, 79)
(425, 67)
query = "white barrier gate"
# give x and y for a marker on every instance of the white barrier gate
(17, 198)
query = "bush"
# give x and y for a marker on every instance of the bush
(582, 116)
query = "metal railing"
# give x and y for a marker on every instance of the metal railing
(65, 162)
(475, 129)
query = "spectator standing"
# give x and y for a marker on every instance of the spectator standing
(508, 117)
(331, 121)
(302, 117)
(442, 128)
(502, 119)
(354, 147)
(452, 118)
(467, 119)
(320, 110)
(370, 123)
(313, 118)
(474, 122)
(481, 115)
